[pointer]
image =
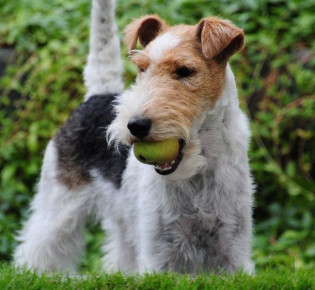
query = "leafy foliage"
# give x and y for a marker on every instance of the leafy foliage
(42, 84)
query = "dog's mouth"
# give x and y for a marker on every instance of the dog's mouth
(170, 167)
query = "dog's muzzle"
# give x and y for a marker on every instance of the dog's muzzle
(139, 127)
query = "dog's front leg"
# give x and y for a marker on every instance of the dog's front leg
(152, 251)
(235, 236)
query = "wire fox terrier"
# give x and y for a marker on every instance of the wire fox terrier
(191, 215)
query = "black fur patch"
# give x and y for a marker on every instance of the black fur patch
(82, 146)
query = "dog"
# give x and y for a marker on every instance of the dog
(191, 215)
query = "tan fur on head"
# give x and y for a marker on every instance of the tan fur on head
(219, 38)
(181, 75)
(145, 29)
(174, 103)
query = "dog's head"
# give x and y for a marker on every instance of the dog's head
(181, 76)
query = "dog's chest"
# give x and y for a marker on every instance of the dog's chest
(189, 225)
(190, 230)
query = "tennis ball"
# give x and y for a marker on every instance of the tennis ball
(156, 152)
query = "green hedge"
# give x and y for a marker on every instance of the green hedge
(275, 74)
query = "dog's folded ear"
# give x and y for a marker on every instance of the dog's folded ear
(219, 38)
(145, 29)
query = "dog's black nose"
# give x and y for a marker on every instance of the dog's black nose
(139, 127)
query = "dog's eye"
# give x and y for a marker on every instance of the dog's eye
(141, 69)
(183, 72)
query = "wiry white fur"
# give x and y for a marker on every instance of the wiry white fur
(103, 71)
(216, 182)
(51, 238)
(162, 44)
(152, 222)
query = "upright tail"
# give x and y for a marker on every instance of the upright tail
(103, 71)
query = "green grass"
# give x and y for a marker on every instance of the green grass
(10, 278)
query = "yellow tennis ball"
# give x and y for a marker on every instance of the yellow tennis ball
(156, 152)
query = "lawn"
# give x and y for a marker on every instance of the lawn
(268, 279)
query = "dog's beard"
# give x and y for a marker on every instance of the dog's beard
(192, 163)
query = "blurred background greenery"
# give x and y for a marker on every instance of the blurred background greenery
(43, 48)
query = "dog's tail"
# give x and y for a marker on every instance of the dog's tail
(103, 71)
